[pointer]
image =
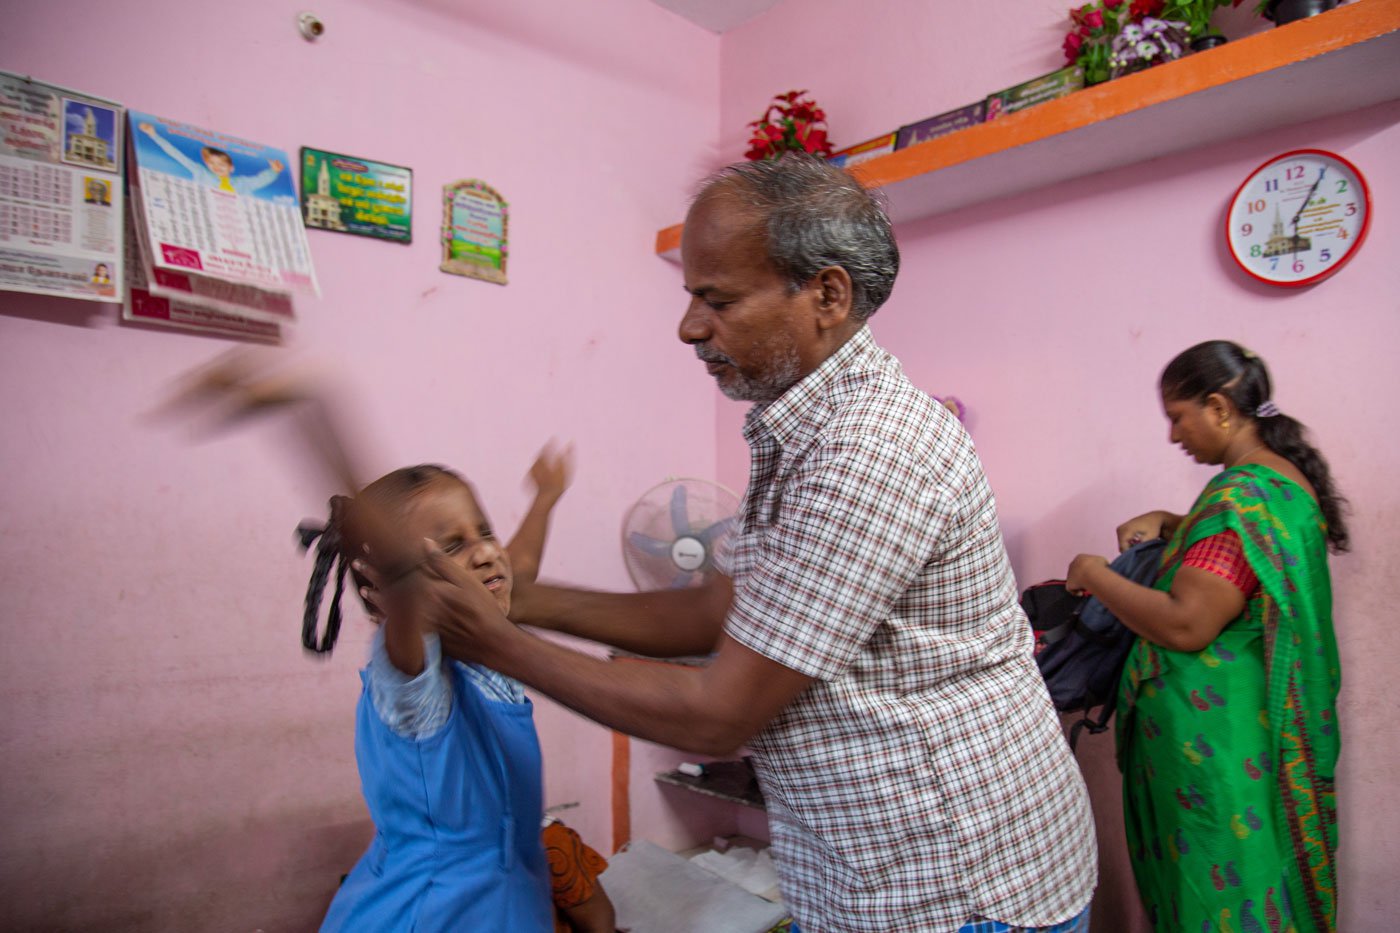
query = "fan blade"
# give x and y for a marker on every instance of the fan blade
(649, 546)
(682, 580)
(680, 521)
(718, 529)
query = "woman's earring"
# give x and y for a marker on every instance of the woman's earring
(1224, 424)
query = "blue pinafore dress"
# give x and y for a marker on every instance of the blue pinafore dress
(457, 816)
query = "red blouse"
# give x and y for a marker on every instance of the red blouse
(1223, 555)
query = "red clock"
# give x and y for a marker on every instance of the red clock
(1298, 218)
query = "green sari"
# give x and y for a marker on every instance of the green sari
(1229, 754)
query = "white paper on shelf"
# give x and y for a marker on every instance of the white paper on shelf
(655, 891)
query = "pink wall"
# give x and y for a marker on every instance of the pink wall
(171, 760)
(1050, 315)
(168, 751)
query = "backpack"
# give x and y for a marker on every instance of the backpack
(1080, 647)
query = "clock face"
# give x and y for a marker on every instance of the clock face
(1298, 218)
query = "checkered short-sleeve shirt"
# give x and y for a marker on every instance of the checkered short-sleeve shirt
(923, 779)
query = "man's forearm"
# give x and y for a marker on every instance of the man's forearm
(661, 703)
(664, 624)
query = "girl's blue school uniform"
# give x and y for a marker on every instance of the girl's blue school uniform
(458, 818)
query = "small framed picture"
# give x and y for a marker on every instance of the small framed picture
(475, 228)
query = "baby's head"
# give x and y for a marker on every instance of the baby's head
(416, 502)
(217, 161)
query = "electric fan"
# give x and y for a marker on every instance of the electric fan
(670, 536)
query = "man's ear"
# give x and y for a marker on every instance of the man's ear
(833, 296)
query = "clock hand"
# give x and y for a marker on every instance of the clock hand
(1311, 192)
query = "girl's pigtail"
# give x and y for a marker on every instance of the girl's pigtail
(328, 553)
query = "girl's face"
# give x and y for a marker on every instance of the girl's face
(1195, 426)
(446, 511)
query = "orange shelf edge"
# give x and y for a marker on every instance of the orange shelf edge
(1348, 25)
(668, 241)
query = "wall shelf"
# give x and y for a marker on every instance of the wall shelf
(733, 781)
(1339, 61)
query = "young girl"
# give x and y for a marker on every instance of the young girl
(447, 752)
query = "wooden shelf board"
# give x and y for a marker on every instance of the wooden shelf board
(732, 781)
(1339, 61)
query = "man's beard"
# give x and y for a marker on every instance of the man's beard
(783, 372)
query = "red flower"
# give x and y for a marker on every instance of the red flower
(1073, 43)
(812, 139)
(791, 122)
(1115, 4)
(1094, 19)
(1141, 8)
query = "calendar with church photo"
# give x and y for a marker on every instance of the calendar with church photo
(348, 194)
(60, 191)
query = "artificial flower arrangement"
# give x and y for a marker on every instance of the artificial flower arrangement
(1088, 43)
(1146, 43)
(1195, 14)
(792, 123)
(1113, 37)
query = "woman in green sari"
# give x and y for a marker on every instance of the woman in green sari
(1227, 720)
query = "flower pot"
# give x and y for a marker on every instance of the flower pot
(1283, 12)
(1202, 43)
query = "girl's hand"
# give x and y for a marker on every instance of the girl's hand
(553, 471)
(1080, 569)
(245, 383)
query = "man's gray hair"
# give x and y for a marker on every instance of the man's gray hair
(817, 216)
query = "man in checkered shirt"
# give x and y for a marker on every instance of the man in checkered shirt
(869, 645)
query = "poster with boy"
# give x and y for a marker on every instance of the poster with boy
(217, 206)
(60, 191)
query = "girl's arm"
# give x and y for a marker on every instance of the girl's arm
(403, 644)
(413, 705)
(551, 474)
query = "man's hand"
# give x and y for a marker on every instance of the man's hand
(442, 597)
